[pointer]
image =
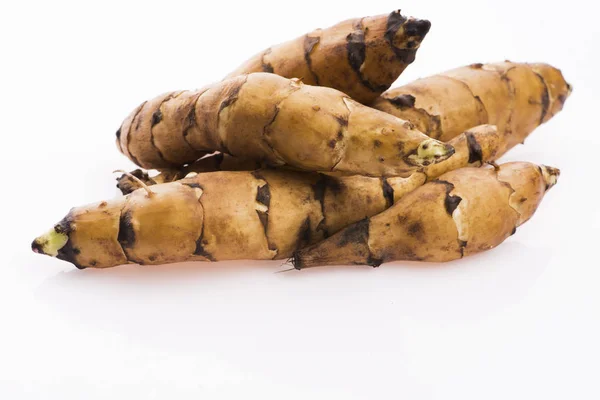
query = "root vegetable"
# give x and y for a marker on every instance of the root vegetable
(462, 213)
(263, 214)
(279, 121)
(479, 144)
(516, 97)
(361, 57)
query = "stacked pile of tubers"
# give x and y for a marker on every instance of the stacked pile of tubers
(303, 153)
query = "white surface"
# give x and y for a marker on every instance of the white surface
(519, 322)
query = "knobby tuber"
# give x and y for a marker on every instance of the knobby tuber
(361, 57)
(463, 212)
(278, 121)
(479, 144)
(263, 214)
(516, 97)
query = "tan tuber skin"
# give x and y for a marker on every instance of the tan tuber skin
(479, 144)
(263, 214)
(279, 121)
(516, 97)
(464, 212)
(361, 57)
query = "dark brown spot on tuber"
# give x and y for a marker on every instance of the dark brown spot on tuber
(357, 233)
(415, 229)
(388, 192)
(304, 234)
(403, 101)
(309, 44)
(156, 117)
(126, 235)
(200, 251)
(545, 98)
(475, 152)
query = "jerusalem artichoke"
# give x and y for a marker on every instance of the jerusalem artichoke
(516, 97)
(279, 121)
(263, 214)
(479, 144)
(361, 57)
(463, 212)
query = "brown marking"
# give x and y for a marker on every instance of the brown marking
(266, 67)
(403, 101)
(343, 121)
(450, 202)
(462, 244)
(377, 143)
(545, 98)
(415, 229)
(68, 252)
(561, 99)
(309, 44)
(232, 95)
(357, 52)
(356, 233)
(193, 185)
(263, 196)
(200, 251)
(475, 152)
(388, 192)
(304, 234)
(324, 183)
(412, 28)
(201, 242)
(157, 117)
(126, 235)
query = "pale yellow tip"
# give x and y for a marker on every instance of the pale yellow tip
(49, 243)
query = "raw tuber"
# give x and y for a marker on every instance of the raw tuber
(463, 212)
(278, 121)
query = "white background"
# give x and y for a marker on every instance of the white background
(519, 322)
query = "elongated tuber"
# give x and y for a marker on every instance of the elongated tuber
(477, 145)
(462, 213)
(361, 57)
(516, 97)
(263, 214)
(279, 121)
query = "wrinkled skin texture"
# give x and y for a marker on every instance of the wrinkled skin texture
(280, 122)
(264, 214)
(516, 97)
(463, 212)
(361, 57)
(478, 145)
